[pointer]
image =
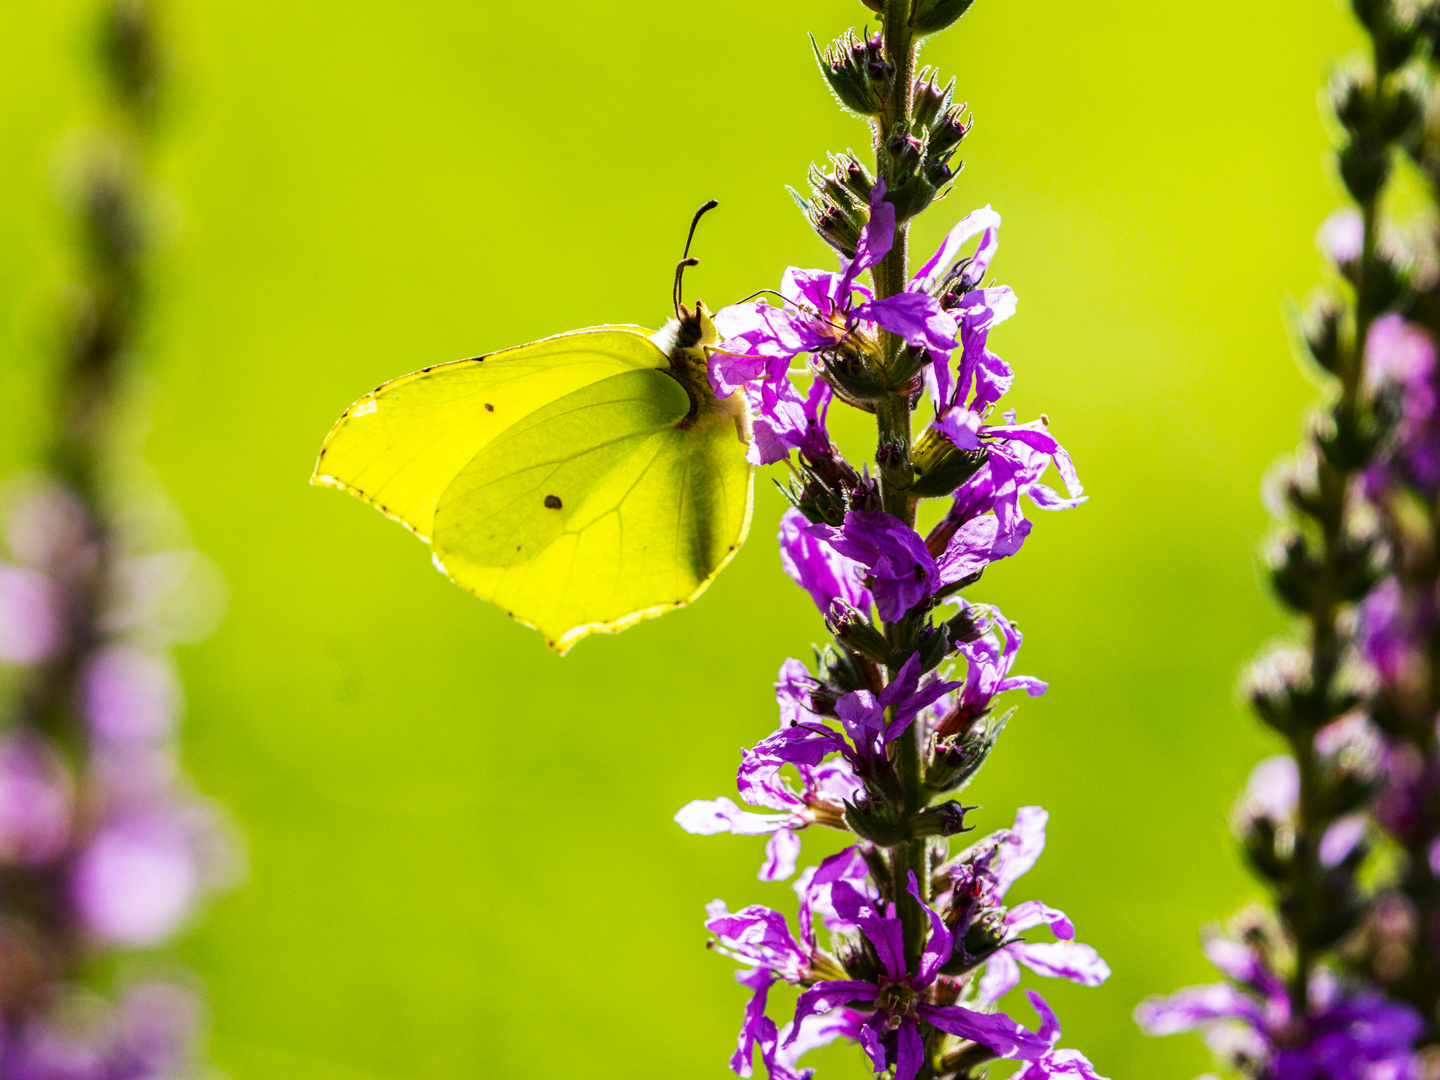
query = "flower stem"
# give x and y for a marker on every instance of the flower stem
(892, 415)
(1326, 646)
(892, 420)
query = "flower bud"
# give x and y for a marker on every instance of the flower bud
(929, 99)
(932, 16)
(816, 501)
(871, 820)
(1364, 167)
(946, 819)
(1281, 690)
(948, 132)
(937, 173)
(1400, 114)
(933, 646)
(941, 466)
(1351, 93)
(1348, 437)
(852, 175)
(834, 226)
(1322, 332)
(951, 762)
(905, 152)
(851, 378)
(856, 632)
(1386, 280)
(857, 72)
(1294, 571)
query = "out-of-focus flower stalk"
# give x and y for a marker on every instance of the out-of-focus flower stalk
(104, 852)
(1297, 1003)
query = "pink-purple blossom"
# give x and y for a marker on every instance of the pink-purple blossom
(1344, 1034)
(818, 568)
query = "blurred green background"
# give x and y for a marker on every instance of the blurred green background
(462, 858)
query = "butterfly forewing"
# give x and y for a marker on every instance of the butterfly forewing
(401, 445)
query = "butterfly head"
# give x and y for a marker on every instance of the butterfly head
(694, 329)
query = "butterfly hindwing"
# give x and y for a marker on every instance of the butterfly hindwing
(598, 510)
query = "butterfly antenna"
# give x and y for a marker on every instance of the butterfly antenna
(685, 259)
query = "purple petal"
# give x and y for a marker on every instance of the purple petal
(792, 693)
(1340, 839)
(758, 936)
(813, 1033)
(35, 800)
(780, 855)
(938, 946)
(1049, 1022)
(817, 885)
(1047, 498)
(1031, 685)
(801, 745)
(1002, 974)
(876, 238)
(1033, 913)
(136, 881)
(1003, 1036)
(972, 224)
(1063, 960)
(824, 996)
(1342, 235)
(756, 1027)
(870, 1041)
(1234, 959)
(818, 568)
(919, 320)
(129, 695)
(761, 784)
(1187, 1009)
(709, 817)
(30, 616)
(862, 717)
(1273, 788)
(970, 550)
(984, 309)
(909, 1051)
(1020, 847)
(961, 427)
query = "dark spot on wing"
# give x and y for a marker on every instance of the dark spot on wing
(553, 502)
(489, 407)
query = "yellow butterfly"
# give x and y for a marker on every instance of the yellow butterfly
(582, 482)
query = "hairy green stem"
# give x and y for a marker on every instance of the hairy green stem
(892, 419)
